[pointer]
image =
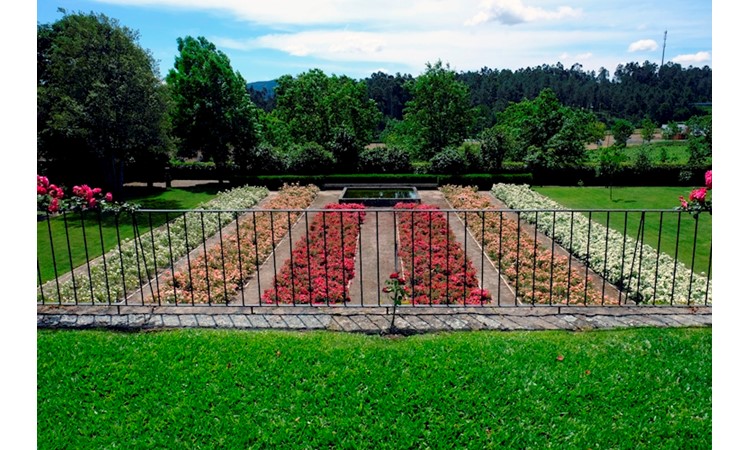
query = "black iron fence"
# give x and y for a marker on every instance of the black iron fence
(354, 257)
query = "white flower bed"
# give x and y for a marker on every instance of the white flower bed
(670, 275)
(134, 255)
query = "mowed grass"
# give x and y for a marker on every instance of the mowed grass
(636, 388)
(70, 246)
(671, 152)
(645, 198)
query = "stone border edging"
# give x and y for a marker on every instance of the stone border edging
(372, 320)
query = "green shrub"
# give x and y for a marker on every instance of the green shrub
(448, 161)
(262, 159)
(384, 160)
(310, 159)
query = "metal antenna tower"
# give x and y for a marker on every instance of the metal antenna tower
(664, 48)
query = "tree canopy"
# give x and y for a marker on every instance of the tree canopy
(213, 114)
(439, 113)
(100, 104)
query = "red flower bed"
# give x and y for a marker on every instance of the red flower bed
(320, 268)
(516, 253)
(231, 262)
(435, 266)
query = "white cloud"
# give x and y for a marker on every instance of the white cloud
(576, 58)
(644, 45)
(512, 12)
(699, 57)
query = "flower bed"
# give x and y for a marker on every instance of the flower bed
(529, 267)
(218, 273)
(322, 262)
(124, 268)
(436, 268)
(601, 244)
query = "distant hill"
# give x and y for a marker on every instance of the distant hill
(258, 86)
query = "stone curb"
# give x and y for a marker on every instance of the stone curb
(371, 320)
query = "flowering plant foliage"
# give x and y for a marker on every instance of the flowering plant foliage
(528, 265)
(322, 262)
(51, 198)
(394, 285)
(436, 267)
(218, 272)
(120, 270)
(698, 201)
(659, 278)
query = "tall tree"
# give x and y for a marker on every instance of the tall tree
(440, 110)
(101, 107)
(213, 114)
(549, 134)
(317, 108)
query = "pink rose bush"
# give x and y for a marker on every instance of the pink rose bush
(436, 268)
(52, 199)
(218, 273)
(516, 254)
(698, 200)
(322, 262)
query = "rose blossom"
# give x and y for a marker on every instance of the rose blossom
(698, 195)
(683, 202)
(108, 197)
(40, 190)
(708, 179)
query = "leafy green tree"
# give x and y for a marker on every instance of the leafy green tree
(315, 107)
(642, 162)
(549, 135)
(495, 143)
(213, 114)
(101, 108)
(621, 132)
(648, 129)
(439, 114)
(610, 163)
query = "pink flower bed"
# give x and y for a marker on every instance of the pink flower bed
(435, 266)
(516, 254)
(322, 262)
(238, 256)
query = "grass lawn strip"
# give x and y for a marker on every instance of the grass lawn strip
(624, 258)
(322, 262)
(126, 265)
(221, 270)
(528, 266)
(635, 388)
(436, 268)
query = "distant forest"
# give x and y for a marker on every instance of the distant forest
(634, 92)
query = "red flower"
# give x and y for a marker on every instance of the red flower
(108, 197)
(683, 202)
(698, 195)
(41, 190)
(53, 205)
(394, 276)
(708, 180)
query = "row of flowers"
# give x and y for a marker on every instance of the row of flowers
(322, 262)
(436, 268)
(647, 275)
(219, 272)
(538, 275)
(134, 261)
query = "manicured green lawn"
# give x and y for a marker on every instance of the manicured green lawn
(644, 198)
(182, 198)
(676, 152)
(637, 388)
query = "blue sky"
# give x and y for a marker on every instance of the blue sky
(265, 40)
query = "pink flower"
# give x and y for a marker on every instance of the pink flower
(108, 197)
(53, 205)
(40, 190)
(698, 195)
(92, 203)
(683, 202)
(708, 180)
(97, 191)
(42, 181)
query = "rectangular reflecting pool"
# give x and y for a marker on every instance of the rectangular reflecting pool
(382, 196)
